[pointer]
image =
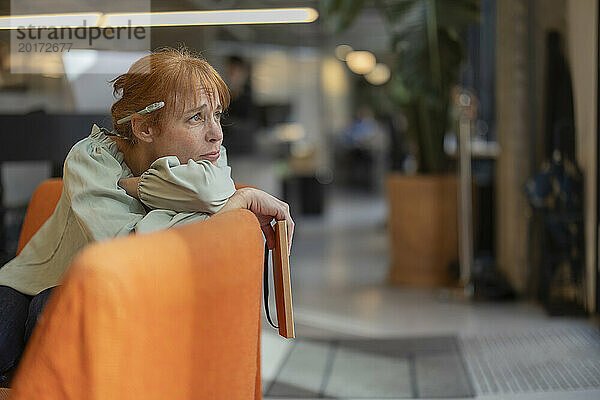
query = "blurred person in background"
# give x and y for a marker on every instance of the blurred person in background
(366, 145)
(242, 121)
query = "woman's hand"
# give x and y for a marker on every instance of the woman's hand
(130, 185)
(266, 208)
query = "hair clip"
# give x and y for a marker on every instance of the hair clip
(149, 109)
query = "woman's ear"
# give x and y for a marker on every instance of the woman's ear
(141, 130)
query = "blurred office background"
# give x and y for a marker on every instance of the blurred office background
(441, 162)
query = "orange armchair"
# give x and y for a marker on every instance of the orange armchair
(41, 207)
(172, 314)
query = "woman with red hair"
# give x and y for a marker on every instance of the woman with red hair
(162, 165)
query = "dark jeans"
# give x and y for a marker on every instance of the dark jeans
(18, 315)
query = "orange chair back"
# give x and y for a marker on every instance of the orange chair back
(172, 314)
(42, 205)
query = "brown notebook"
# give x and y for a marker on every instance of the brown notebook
(282, 281)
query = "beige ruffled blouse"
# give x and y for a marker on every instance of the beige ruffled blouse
(93, 207)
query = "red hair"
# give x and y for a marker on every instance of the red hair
(171, 75)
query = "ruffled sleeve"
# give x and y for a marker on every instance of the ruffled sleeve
(91, 171)
(198, 186)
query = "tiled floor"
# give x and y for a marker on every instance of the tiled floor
(387, 368)
(339, 264)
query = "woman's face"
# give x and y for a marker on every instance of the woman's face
(195, 135)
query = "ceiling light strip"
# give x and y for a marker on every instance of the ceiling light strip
(72, 20)
(173, 18)
(221, 17)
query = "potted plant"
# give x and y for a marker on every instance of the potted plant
(427, 48)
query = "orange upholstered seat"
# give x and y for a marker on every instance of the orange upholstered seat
(41, 206)
(169, 315)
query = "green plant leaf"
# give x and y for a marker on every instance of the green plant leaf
(428, 53)
(349, 10)
(330, 6)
